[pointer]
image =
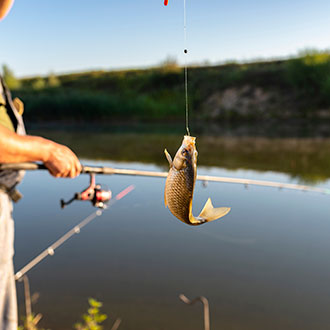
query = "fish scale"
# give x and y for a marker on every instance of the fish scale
(180, 195)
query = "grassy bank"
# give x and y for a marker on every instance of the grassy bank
(294, 88)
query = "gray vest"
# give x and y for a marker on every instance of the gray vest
(11, 178)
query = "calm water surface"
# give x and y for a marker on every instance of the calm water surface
(263, 266)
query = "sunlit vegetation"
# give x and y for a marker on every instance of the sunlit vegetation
(309, 75)
(92, 320)
(299, 86)
(9, 77)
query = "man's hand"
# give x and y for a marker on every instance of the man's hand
(62, 162)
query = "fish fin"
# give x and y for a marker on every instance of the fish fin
(210, 213)
(168, 157)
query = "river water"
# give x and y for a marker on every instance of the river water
(263, 266)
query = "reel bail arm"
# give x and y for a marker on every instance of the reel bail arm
(93, 193)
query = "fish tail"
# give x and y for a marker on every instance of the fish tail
(210, 213)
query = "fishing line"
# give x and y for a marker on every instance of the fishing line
(185, 65)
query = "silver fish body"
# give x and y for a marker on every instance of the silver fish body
(180, 183)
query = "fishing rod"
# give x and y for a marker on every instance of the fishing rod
(205, 178)
(75, 230)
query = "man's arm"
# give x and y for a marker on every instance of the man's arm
(60, 160)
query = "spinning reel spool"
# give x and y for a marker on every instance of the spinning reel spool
(93, 193)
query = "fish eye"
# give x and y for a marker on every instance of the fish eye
(184, 152)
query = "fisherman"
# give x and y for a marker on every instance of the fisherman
(16, 146)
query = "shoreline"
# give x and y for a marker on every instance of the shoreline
(274, 128)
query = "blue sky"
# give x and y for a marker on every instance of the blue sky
(40, 36)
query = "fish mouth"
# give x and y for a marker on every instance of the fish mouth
(189, 141)
(189, 144)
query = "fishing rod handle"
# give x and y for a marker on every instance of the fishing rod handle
(97, 170)
(22, 166)
(38, 166)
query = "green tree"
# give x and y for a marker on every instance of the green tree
(11, 81)
(53, 81)
(39, 83)
(170, 64)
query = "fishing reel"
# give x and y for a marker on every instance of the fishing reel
(93, 193)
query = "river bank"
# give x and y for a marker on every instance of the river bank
(296, 88)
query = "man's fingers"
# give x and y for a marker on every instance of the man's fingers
(79, 168)
(75, 166)
(63, 163)
(75, 169)
(73, 172)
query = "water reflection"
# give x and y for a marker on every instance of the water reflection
(305, 159)
(263, 266)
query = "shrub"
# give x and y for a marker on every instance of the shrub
(93, 319)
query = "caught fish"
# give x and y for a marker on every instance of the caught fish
(180, 183)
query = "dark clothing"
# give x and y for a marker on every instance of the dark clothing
(9, 118)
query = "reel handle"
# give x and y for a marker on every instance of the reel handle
(64, 203)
